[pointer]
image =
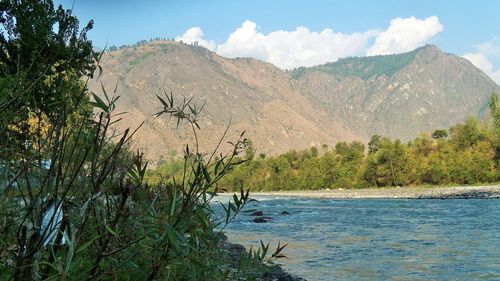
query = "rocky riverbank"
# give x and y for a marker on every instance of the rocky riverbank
(262, 272)
(455, 192)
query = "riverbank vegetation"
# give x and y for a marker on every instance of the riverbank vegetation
(467, 153)
(73, 202)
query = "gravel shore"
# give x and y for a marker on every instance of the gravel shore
(455, 192)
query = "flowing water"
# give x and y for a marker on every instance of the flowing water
(376, 239)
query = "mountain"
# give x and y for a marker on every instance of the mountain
(353, 98)
(398, 95)
(253, 96)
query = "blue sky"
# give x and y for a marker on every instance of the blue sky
(294, 33)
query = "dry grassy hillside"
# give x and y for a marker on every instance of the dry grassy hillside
(398, 96)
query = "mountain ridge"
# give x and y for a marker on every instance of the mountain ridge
(394, 61)
(434, 89)
(280, 112)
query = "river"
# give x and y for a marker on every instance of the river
(379, 239)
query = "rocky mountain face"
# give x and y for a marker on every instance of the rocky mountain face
(398, 95)
(354, 98)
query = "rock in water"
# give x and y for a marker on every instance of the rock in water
(262, 219)
(257, 213)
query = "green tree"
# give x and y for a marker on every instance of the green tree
(422, 145)
(374, 144)
(467, 134)
(369, 170)
(351, 156)
(314, 151)
(249, 151)
(473, 164)
(281, 174)
(43, 55)
(495, 110)
(391, 165)
(434, 170)
(350, 151)
(329, 166)
(495, 130)
(439, 134)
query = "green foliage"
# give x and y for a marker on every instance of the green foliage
(467, 134)
(468, 156)
(257, 261)
(306, 169)
(140, 58)
(391, 165)
(374, 144)
(43, 55)
(439, 134)
(495, 131)
(249, 151)
(73, 201)
(114, 225)
(364, 67)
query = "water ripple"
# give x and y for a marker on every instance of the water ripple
(380, 239)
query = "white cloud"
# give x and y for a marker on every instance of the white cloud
(289, 49)
(480, 61)
(496, 76)
(195, 34)
(483, 63)
(491, 48)
(245, 41)
(405, 34)
(303, 47)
